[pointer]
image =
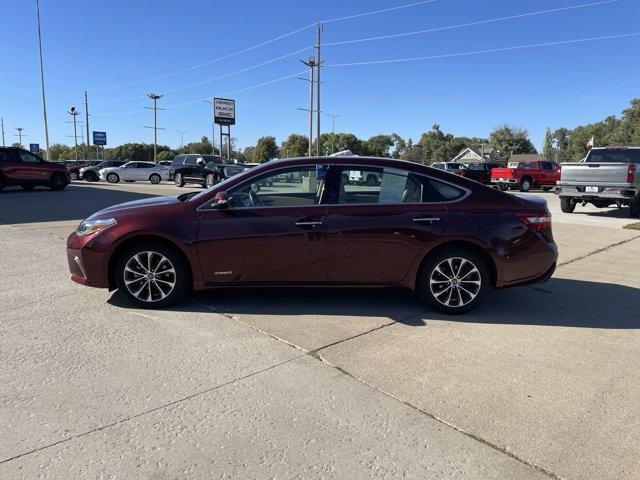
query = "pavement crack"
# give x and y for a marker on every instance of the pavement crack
(315, 354)
(151, 410)
(598, 250)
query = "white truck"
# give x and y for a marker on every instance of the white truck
(607, 176)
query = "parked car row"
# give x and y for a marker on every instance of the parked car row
(204, 170)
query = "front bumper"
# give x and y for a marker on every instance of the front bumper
(86, 265)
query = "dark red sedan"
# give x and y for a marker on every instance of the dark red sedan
(447, 237)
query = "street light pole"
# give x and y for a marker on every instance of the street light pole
(155, 99)
(319, 66)
(74, 113)
(2, 127)
(44, 101)
(19, 135)
(86, 121)
(311, 64)
(333, 130)
(182, 132)
(213, 128)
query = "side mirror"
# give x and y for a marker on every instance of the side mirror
(221, 200)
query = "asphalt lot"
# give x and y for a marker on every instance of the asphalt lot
(538, 382)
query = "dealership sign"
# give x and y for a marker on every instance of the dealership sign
(99, 138)
(34, 147)
(224, 111)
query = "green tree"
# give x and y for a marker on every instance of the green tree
(437, 146)
(295, 145)
(510, 140)
(548, 152)
(203, 147)
(165, 155)
(265, 150)
(379, 145)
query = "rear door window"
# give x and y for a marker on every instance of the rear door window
(190, 160)
(367, 185)
(547, 166)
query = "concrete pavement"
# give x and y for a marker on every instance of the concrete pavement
(538, 382)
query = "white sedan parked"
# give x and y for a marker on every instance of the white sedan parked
(132, 171)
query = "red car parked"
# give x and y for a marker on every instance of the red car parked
(525, 175)
(447, 237)
(19, 167)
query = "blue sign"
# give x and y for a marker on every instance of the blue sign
(34, 147)
(99, 138)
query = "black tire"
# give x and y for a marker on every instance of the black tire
(467, 265)
(209, 181)
(178, 180)
(73, 176)
(372, 180)
(113, 177)
(525, 184)
(57, 182)
(27, 186)
(567, 204)
(503, 186)
(129, 181)
(91, 177)
(1, 182)
(155, 178)
(180, 277)
(634, 207)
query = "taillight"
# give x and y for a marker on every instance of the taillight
(536, 221)
(631, 170)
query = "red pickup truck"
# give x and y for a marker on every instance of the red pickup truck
(525, 175)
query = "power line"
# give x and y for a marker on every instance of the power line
(258, 45)
(469, 24)
(477, 52)
(191, 102)
(210, 80)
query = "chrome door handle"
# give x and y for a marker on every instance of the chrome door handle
(426, 219)
(308, 224)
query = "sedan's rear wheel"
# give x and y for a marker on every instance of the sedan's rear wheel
(155, 178)
(150, 276)
(453, 281)
(113, 178)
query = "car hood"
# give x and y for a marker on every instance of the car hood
(137, 207)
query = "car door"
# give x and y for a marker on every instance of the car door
(548, 173)
(32, 168)
(143, 171)
(373, 234)
(12, 166)
(271, 231)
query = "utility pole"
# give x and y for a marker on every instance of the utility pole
(86, 121)
(319, 66)
(182, 132)
(213, 128)
(333, 130)
(155, 99)
(44, 101)
(19, 135)
(74, 113)
(2, 127)
(311, 63)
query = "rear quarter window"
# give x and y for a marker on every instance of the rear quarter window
(445, 191)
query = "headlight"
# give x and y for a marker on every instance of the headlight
(89, 227)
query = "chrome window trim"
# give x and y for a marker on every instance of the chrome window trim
(202, 207)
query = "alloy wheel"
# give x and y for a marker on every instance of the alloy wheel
(455, 282)
(149, 276)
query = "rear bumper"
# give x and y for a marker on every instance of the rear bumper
(625, 192)
(507, 181)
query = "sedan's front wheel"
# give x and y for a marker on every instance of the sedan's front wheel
(453, 281)
(113, 178)
(151, 275)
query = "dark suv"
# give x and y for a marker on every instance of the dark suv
(90, 172)
(481, 172)
(206, 170)
(23, 168)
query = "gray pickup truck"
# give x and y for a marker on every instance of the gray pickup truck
(607, 176)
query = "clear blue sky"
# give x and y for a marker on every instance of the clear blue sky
(88, 45)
